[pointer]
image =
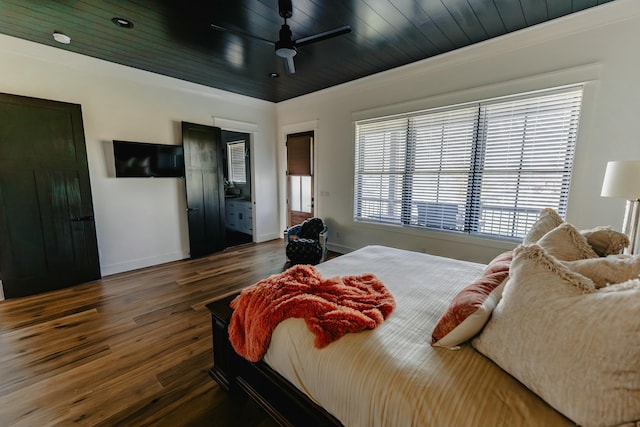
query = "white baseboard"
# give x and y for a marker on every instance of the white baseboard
(339, 248)
(135, 264)
(266, 237)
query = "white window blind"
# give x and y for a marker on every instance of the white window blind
(380, 166)
(486, 168)
(236, 162)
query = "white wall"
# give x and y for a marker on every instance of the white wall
(141, 222)
(597, 46)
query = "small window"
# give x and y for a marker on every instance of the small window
(484, 168)
(236, 162)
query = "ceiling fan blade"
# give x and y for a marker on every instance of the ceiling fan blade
(289, 66)
(345, 29)
(240, 33)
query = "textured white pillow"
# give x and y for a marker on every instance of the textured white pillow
(575, 346)
(607, 270)
(547, 221)
(566, 243)
(606, 241)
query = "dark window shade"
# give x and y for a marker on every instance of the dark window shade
(486, 168)
(299, 159)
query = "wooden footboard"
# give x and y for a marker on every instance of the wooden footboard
(283, 401)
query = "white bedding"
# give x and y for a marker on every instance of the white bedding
(391, 376)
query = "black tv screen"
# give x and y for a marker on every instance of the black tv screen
(139, 159)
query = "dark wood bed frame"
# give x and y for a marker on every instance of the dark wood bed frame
(278, 397)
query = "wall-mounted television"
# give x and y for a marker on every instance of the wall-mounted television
(142, 160)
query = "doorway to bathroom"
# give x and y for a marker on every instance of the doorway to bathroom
(236, 163)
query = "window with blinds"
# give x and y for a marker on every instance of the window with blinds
(486, 168)
(236, 162)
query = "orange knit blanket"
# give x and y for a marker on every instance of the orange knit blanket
(330, 307)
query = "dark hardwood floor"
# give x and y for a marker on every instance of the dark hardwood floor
(131, 349)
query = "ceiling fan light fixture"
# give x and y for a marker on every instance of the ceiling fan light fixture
(286, 52)
(285, 47)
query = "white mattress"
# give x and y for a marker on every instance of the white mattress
(391, 376)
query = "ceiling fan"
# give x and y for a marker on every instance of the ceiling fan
(286, 46)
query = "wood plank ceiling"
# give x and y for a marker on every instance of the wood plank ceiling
(175, 38)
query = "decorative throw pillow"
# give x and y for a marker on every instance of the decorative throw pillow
(471, 308)
(311, 228)
(547, 221)
(566, 244)
(606, 241)
(577, 347)
(607, 270)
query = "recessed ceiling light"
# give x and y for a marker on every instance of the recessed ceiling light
(61, 38)
(123, 23)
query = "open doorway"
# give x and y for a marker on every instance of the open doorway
(300, 197)
(236, 161)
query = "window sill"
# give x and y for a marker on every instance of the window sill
(448, 236)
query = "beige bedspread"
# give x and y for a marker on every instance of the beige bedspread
(391, 376)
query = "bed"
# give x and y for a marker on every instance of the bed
(392, 375)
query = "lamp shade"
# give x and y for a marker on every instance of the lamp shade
(622, 179)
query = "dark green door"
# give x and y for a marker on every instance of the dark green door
(47, 232)
(204, 182)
